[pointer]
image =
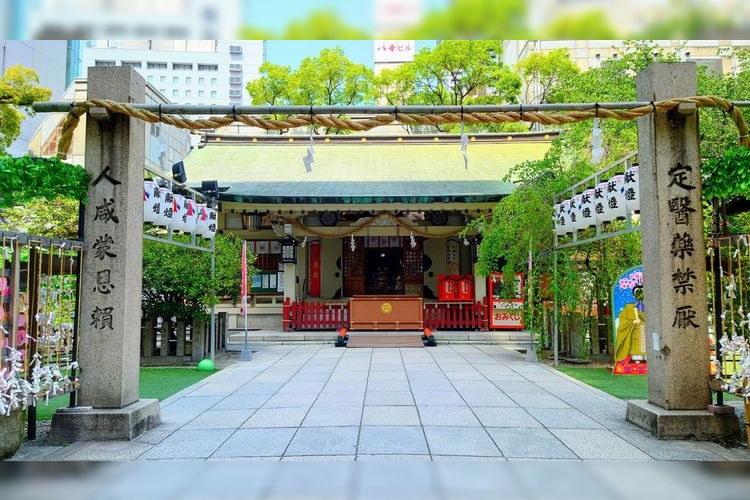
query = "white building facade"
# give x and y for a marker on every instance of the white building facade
(186, 71)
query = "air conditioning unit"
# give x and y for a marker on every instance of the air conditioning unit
(235, 49)
(235, 67)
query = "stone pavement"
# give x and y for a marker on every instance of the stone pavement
(450, 402)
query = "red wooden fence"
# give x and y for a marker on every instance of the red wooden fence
(334, 316)
(314, 316)
(456, 316)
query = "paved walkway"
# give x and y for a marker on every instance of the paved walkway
(450, 402)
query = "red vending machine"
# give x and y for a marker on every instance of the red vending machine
(505, 314)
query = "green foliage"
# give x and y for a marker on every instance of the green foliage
(18, 89)
(540, 72)
(327, 79)
(727, 176)
(177, 281)
(28, 177)
(455, 73)
(590, 25)
(57, 218)
(321, 24)
(472, 19)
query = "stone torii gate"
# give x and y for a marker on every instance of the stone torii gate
(676, 324)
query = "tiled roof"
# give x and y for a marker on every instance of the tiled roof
(361, 172)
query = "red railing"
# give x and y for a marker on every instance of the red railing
(456, 315)
(314, 315)
(436, 315)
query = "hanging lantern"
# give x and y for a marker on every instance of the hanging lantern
(565, 224)
(289, 250)
(556, 219)
(167, 207)
(201, 221)
(633, 190)
(151, 201)
(210, 231)
(616, 196)
(191, 215)
(588, 213)
(180, 210)
(601, 209)
(576, 217)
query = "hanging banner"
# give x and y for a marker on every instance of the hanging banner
(629, 323)
(315, 270)
(243, 291)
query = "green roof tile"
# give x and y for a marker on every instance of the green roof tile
(360, 172)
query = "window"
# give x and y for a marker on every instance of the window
(213, 81)
(175, 79)
(132, 64)
(162, 79)
(183, 66)
(163, 91)
(213, 93)
(155, 130)
(201, 80)
(235, 49)
(208, 67)
(200, 93)
(188, 80)
(156, 65)
(235, 93)
(174, 92)
(235, 80)
(187, 93)
(104, 63)
(235, 67)
(150, 78)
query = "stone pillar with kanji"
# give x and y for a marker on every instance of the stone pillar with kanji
(674, 264)
(110, 305)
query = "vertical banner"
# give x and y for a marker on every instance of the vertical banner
(628, 312)
(243, 306)
(314, 289)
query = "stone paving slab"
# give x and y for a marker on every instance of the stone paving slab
(445, 403)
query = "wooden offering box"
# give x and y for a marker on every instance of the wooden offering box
(385, 312)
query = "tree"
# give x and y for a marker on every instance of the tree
(321, 24)
(472, 19)
(541, 72)
(328, 79)
(455, 73)
(18, 89)
(177, 281)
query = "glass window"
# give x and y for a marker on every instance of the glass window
(213, 81)
(200, 93)
(174, 92)
(188, 80)
(175, 79)
(187, 93)
(183, 66)
(150, 78)
(208, 67)
(213, 93)
(104, 63)
(201, 80)
(156, 65)
(162, 79)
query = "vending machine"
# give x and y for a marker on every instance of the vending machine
(505, 313)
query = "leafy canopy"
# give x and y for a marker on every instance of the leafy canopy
(18, 90)
(177, 281)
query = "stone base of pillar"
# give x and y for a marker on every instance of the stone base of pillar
(104, 424)
(700, 425)
(11, 433)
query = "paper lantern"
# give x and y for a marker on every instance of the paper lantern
(191, 216)
(576, 216)
(556, 219)
(616, 196)
(600, 202)
(633, 190)
(565, 225)
(201, 220)
(179, 210)
(167, 207)
(210, 231)
(151, 201)
(588, 213)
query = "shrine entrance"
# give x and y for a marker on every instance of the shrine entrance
(382, 265)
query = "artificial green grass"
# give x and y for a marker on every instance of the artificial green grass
(155, 383)
(619, 386)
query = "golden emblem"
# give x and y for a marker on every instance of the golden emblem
(386, 308)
